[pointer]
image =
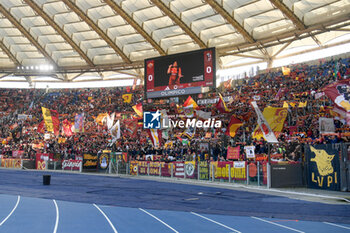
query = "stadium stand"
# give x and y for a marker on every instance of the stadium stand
(302, 85)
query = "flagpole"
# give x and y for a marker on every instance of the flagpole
(269, 152)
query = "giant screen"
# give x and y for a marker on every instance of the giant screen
(180, 74)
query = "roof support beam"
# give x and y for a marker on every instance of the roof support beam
(59, 30)
(288, 13)
(118, 9)
(287, 37)
(9, 54)
(33, 40)
(291, 16)
(177, 20)
(227, 16)
(281, 49)
(97, 29)
(316, 49)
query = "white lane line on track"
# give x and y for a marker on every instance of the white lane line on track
(57, 216)
(108, 220)
(211, 220)
(159, 220)
(13, 210)
(289, 228)
(329, 223)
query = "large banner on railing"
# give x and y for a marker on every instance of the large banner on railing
(90, 161)
(323, 167)
(190, 169)
(142, 167)
(103, 161)
(70, 164)
(238, 170)
(203, 170)
(11, 163)
(179, 168)
(41, 161)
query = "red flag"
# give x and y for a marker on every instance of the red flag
(221, 106)
(131, 126)
(233, 126)
(41, 127)
(67, 128)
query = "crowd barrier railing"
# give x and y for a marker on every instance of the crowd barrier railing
(240, 172)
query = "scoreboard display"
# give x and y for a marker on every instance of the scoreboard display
(180, 74)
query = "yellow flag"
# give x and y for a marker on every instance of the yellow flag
(127, 98)
(285, 104)
(292, 104)
(99, 119)
(275, 117)
(47, 119)
(285, 70)
(302, 104)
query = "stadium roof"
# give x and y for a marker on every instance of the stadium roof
(80, 40)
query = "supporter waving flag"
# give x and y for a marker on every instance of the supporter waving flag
(339, 93)
(100, 118)
(264, 125)
(79, 123)
(115, 131)
(190, 103)
(221, 106)
(233, 126)
(67, 128)
(138, 109)
(156, 136)
(110, 120)
(127, 98)
(51, 120)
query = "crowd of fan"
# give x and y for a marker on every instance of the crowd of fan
(301, 125)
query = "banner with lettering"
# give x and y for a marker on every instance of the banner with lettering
(203, 170)
(89, 161)
(11, 163)
(40, 164)
(73, 165)
(237, 168)
(179, 169)
(41, 160)
(148, 167)
(323, 167)
(233, 152)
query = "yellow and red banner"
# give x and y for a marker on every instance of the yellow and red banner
(99, 119)
(190, 103)
(233, 126)
(138, 109)
(127, 98)
(51, 120)
(275, 118)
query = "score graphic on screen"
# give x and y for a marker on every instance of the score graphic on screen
(180, 74)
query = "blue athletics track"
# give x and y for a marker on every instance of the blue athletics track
(78, 203)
